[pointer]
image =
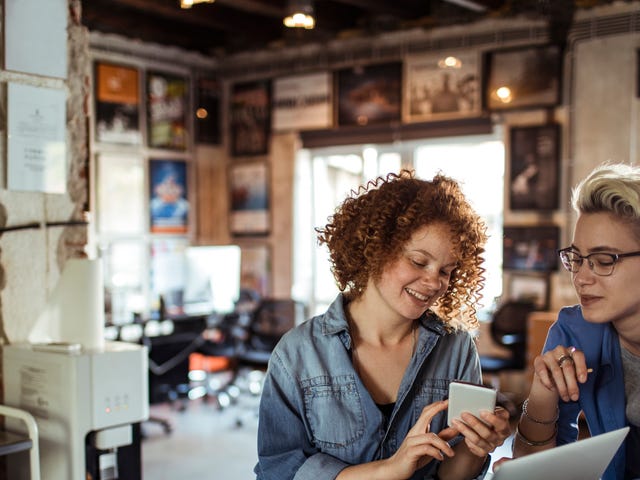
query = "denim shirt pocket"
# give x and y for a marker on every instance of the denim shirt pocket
(333, 410)
(429, 391)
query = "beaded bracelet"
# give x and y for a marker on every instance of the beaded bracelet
(535, 420)
(531, 443)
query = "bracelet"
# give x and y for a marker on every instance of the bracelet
(535, 420)
(531, 443)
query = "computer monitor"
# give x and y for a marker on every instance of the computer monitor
(212, 279)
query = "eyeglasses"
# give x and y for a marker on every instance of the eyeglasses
(601, 264)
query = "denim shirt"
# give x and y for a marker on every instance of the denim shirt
(602, 396)
(317, 417)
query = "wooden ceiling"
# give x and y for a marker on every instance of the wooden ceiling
(226, 27)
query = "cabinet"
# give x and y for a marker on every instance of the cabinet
(13, 442)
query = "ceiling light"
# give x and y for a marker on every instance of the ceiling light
(300, 14)
(191, 3)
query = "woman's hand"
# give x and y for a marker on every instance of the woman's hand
(482, 435)
(560, 370)
(421, 446)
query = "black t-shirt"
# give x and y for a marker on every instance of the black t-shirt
(633, 454)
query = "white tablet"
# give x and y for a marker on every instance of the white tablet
(582, 460)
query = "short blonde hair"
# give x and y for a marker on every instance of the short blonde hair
(610, 188)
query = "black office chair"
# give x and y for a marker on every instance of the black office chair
(508, 329)
(254, 335)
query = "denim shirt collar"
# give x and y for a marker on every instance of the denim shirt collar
(334, 322)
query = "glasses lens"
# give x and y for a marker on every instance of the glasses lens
(570, 260)
(602, 263)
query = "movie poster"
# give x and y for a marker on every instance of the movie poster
(117, 104)
(167, 111)
(168, 205)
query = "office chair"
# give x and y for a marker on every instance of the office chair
(254, 334)
(508, 329)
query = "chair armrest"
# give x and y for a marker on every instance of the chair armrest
(32, 430)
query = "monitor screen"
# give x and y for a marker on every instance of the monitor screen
(212, 279)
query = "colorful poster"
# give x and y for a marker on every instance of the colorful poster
(168, 206)
(167, 109)
(117, 104)
(303, 102)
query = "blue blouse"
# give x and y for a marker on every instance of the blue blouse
(317, 417)
(602, 397)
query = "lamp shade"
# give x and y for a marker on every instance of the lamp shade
(300, 14)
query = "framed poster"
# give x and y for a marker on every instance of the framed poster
(522, 77)
(250, 114)
(303, 102)
(117, 104)
(438, 87)
(207, 121)
(255, 271)
(531, 248)
(534, 155)
(249, 186)
(369, 94)
(168, 204)
(167, 100)
(530, 287)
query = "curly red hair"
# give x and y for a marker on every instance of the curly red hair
(370, 228)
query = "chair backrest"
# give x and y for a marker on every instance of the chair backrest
(509, 325)
(272, 319)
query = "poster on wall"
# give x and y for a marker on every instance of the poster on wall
(250, 115)
(369, 94)
(36, 139)
(249, 186)
(121, 194)
(117, 104)
(530, 248)
(168, 204)
(207, 121)
(167, 100)
(522, 77)
(534, 156)
(35, 37)
(303, 102)
(255, 269)
(442, 87)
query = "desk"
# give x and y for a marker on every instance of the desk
(169, 357)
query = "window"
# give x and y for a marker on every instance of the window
(324, 177)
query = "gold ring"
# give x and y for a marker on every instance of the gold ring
(563, 358)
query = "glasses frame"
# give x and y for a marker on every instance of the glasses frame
(614, 256)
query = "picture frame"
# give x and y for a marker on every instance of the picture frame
(255, 269)
(530, 287)
(250, 198)
(250, 118)
(302, 102)
(522, 77)
(167, 100)
(369, 94)
(117, 104)
(168, 196)
(530, 248)
(439, 87)
(207, 111)
(534, 159)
